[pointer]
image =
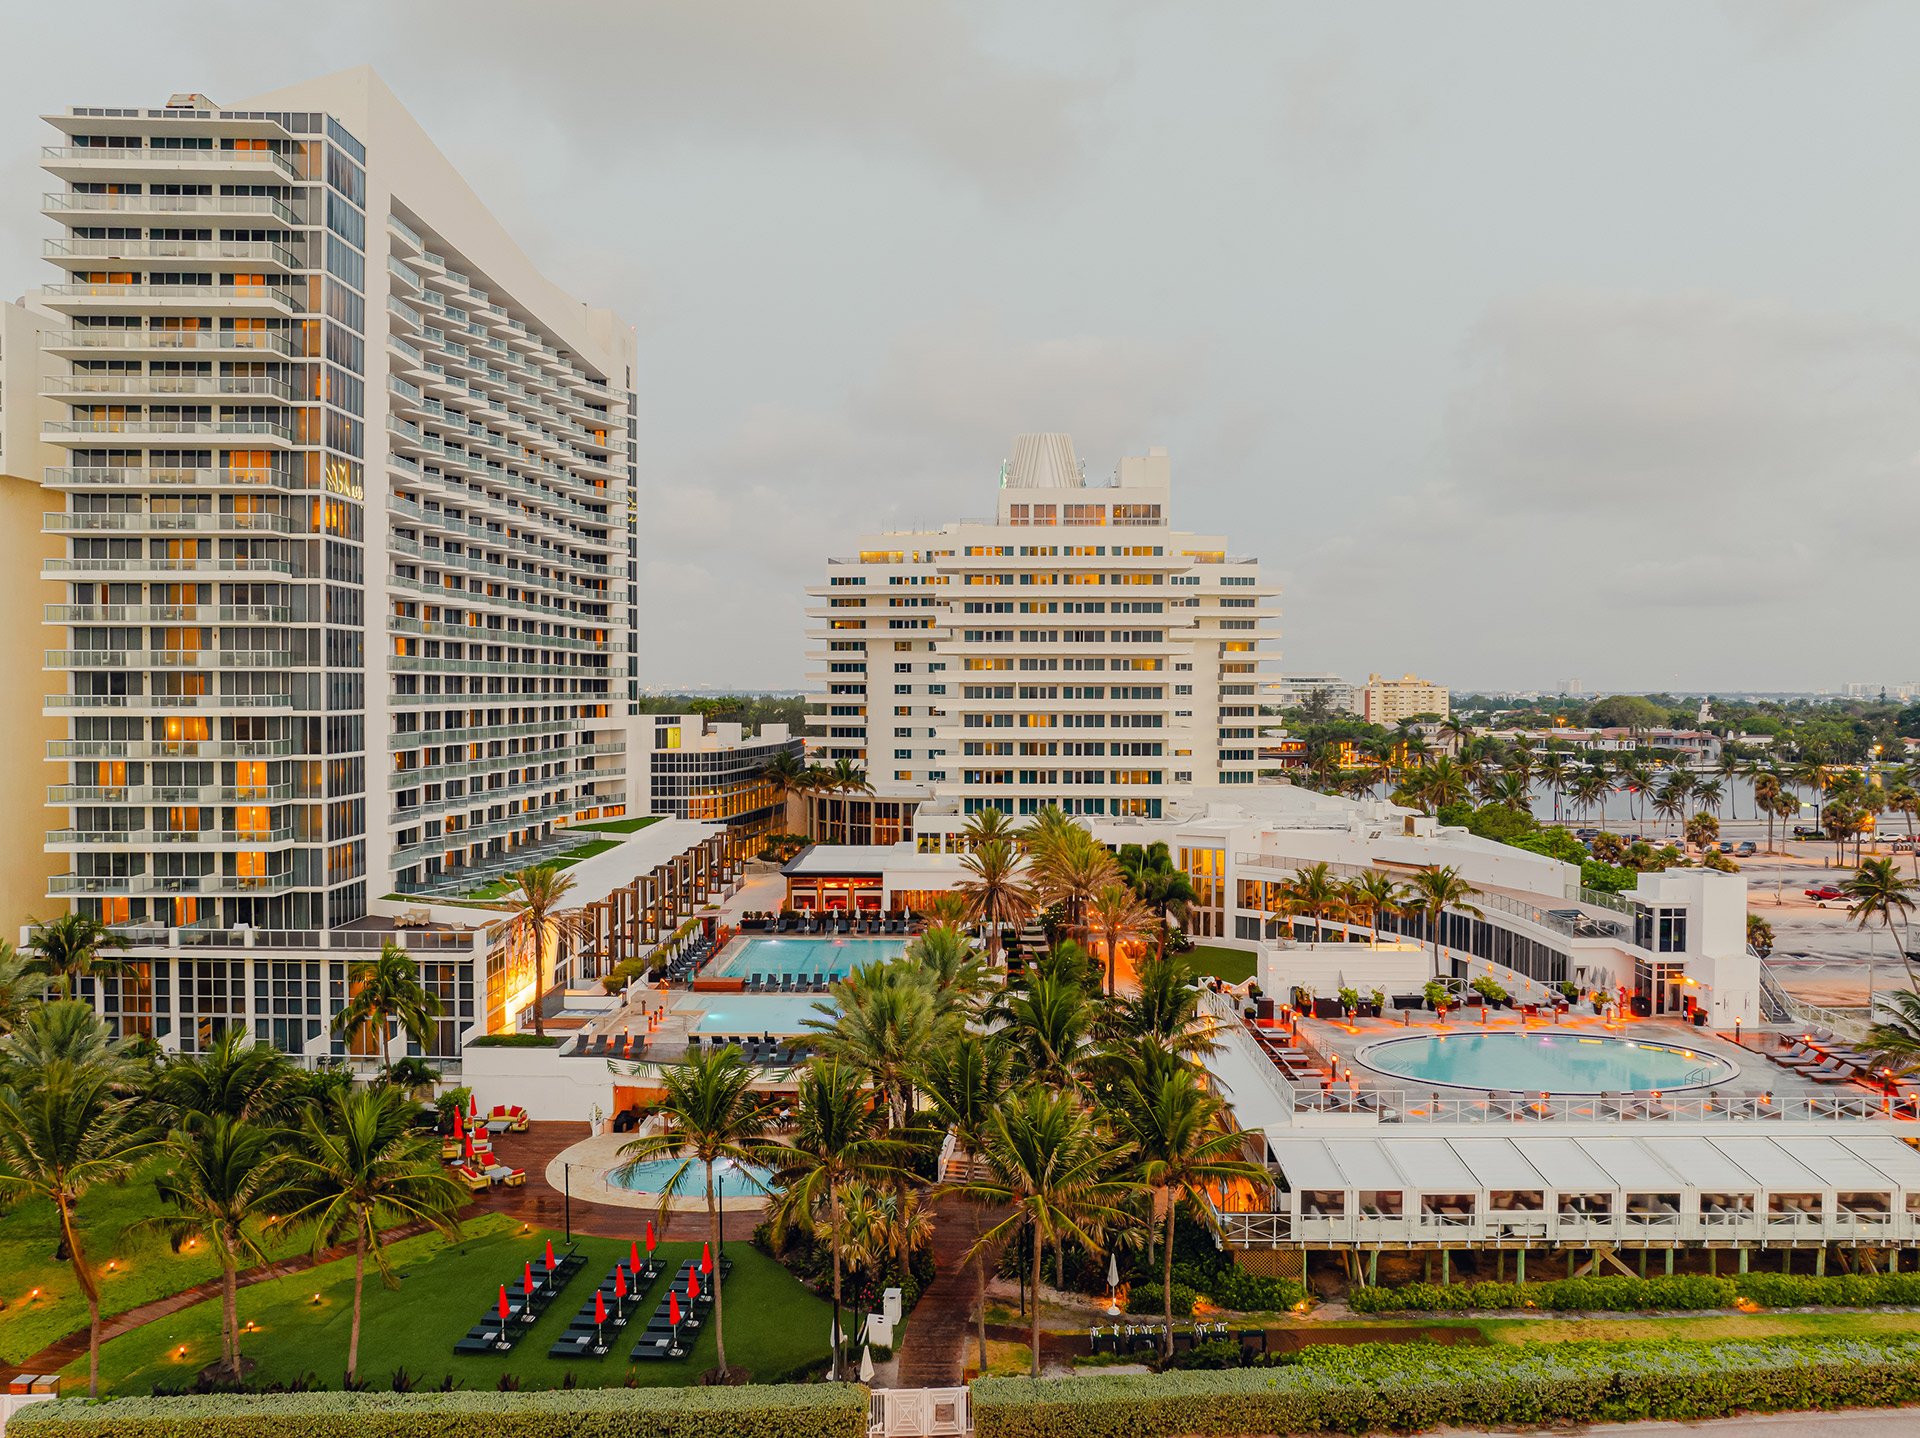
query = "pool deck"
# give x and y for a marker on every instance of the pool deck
(582, 1169)
(1341, 1042)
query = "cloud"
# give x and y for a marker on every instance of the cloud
(916, 443)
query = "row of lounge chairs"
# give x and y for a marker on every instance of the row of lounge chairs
(687, 962)
(662, 1338)
(525, 1303)
(613, 1046)
(836, 923)
(788, 983)
(1826, 1060)
(586, 1336)
(1296, 1065)
(772, 1052)
(1146, 1338)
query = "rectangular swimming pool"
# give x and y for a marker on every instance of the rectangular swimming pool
(781, 1016)
(810, 958)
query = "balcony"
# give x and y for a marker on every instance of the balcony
(262, 386)
(95, 162)
(169, 838)
(83, 340)
(144, 885)
(165, 431)
(263, 299)
(75, 253)
(144, 564)
(168, 614)
(266, 206)
(168, 794)
(166, 703)
(170, 748)
(157, 477)
(141, 522)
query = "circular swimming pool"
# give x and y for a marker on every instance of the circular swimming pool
(1544, 1061)
(733, 1180)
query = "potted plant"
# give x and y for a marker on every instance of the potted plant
(1490, 990)
(1377, 1003)
(1437, 997)
(1350, 1000)
(1302, 999)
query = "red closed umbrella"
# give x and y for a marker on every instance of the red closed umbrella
(633, 1255)
(673, 1309)
(599, 1307)
(549, 1255)
(649, 1235)
(466, 1147)
(503, 1306)
(706, 1259)
(693, 1283)
(526, 1279)
(459, 1128)
(473, 1105)
(619, 1281)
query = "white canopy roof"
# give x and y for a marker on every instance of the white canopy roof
(1888, 1154)
(1772, 1167)
(1367, 1164)
(1705, 1166)
(1565, 1164)
(1835, 1164)
(1497, 1164)
(1633, 1168)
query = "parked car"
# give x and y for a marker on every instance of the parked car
(1824, 892)
(1747, 846)
(1726, 846)
(1586, 836)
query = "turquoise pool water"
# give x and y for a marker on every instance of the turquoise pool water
(813, 958)
(752, 1015)
(1555, 1061)
(737, 1179)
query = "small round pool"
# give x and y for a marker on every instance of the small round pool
(1544, 1061)
(730, 1179)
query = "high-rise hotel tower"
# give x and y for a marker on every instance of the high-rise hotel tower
(347, 494)
(1074, 649)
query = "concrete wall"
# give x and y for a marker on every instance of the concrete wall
(1327, 968)
(546, 1085)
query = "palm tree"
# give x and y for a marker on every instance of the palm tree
(1436, 889)
(880, 1020)
(20, 987)
(1894, 1039)
(1372, 894)
(1710, 793)
(356, 1164)
(235, 1079)
(848, 777)
(69, 1123)
(712, 1116)
(223, 1177)
(1316, 893)
(1159, 882)
(538, 925)
(1182, 1142)
(1164, 1011)
(1759, 935)
(838, 1139)
(1766, 793)
(965, 1080)
(1904, 800)
(946, 909)
(69, 948)
(997, 892)
(1071, 872)
(951, 966)
(1510, 790)
(1438, 784)
(386, 991)
(1875, 891)
(1054, 1171)
(1047, 1029)
(1670, 799)
(1118, 917)
(786, 774)
(986, 825)
(1729, 766)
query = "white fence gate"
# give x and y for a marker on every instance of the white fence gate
(919, 1413)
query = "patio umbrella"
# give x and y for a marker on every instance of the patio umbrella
(693, 1283)
(1113, 1285)
(473, 1106)
(599, 1315)
(706, 1259)
(526, 1279)
(866, 1363)
(673, 1314)
(649, 1235)
(459, 1129)
(633, 1256)
(549, 1255)
(503, 1313)
(466, 1147)
(620, 1287)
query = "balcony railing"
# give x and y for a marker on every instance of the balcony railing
(171, 158)
(247, 251)
(280, 295)
(171, 204)
(275, 341)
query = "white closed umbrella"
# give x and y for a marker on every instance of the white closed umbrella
(1113, 1286)
(866, 1363)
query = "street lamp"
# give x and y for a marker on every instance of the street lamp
(566, 1184)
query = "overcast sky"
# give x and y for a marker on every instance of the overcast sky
(1522, 342)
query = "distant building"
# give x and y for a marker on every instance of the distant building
(1290, 691)
(713, 772)
(1388, 701)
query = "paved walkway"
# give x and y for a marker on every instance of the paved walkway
(938, 1346)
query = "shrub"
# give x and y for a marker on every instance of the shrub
(1233, 1287)
(837, 1410)
(513, 1041)
(1147, 1298)
(1617, 1293)
(1368, 1388)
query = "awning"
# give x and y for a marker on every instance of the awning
(1565, 1165)
(1772, 1167)
(1497, 1164)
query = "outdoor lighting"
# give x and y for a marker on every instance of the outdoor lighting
(316, 1298)
(34, 1294)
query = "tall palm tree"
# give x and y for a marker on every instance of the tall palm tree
(838, 1138)
(359, 1162)
(1437, 888)
(712, 1116)
(72, 947)
(1556, 771)
(1117, 917)
(1729, 766)
(1510, 789)
(1894, 1039)
(946, 909)
(953, 970)
(988, 824)
(880, 1020)
(1055, 1172)
(1876, 893)
(69, 1125)
(849, 778)
(1315, 893)
(1766, 793)
(20, 987)
(1904, 800)
(786, 774)
(1160, 883)
(235, 1079)
(538, 925)
(1181, 1142)
(223, 1178)
(387, 991)
(1071, 873)
(996, 889)
(1372, 894)
(1710, 793)
(965, 1080)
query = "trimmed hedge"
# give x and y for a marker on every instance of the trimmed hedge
(1370, 1388)
(1618, 1293)
(826, 1410)
(513, 1041)
(1150, 1298)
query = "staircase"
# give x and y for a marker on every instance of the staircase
(936, 1348)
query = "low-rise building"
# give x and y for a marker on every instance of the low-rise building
(714, 772)
(1290, 691)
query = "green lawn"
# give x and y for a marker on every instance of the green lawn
(773, 1324)
(1234, 966)
(621, 826)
